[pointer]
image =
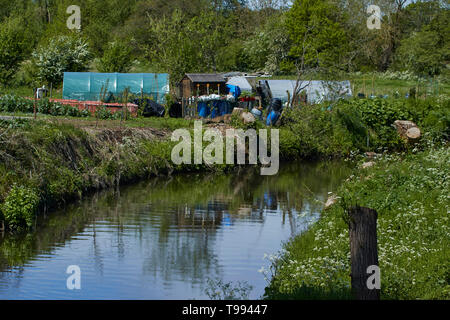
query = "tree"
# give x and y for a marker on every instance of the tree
(116, 58)
(317, 23)
(14, 44)
(427, 49)
(62, 54)
(210, 31)
(170, 48)
(269, 46)
(421, 53)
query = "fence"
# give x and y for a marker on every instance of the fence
(189, 107)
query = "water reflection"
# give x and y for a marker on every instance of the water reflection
(163, 238)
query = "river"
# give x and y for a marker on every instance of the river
(168, 238)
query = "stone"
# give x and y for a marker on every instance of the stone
(227, 118)
(371, 155)
(368, 164)
(331, 201)
(247, 117)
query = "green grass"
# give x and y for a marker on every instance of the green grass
(151, 122)
(390, 87)
(410, 194)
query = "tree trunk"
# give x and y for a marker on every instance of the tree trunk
(408, 130)
(363, 251)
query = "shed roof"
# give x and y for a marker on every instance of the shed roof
(205, 77)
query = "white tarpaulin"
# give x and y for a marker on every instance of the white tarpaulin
(240, 82)
(316, 90)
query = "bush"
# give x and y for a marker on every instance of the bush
(62, 54)
(20, 207)
(359, 125)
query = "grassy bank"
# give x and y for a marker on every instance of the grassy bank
(58, 158)
(45, 164)
(410, 194)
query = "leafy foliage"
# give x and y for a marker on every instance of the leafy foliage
(14, 46)
(62, 54)
(20, 207)
(11, 103)
(316, 32)
(356, 125)
(116, 58)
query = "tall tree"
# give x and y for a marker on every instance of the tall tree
(316, 32)
(15, 42)
(170, 48)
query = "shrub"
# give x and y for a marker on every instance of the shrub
(62, 54)
(359, 124)
(20, 207)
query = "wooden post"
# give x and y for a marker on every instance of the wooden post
(125, 102)
(364, 85)
(34, 104)
(157, 92)
(363, 250)
(182, 108)
(207, 89)
(373, 84)
(198, 89)
(218, 89)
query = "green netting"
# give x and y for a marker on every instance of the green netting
(87, 86)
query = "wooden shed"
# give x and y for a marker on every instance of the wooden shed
(197, 84)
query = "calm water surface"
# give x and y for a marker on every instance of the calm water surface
(164, 238)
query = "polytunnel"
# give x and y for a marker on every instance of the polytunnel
(87, 86)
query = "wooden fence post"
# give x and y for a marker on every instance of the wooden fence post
(182, 108)
(34, 104)
(363, 250)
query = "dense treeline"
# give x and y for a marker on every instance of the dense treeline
(177, 36)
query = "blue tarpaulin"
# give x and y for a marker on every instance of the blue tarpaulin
(234, 90)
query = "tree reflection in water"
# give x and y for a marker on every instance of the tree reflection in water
(178, 229)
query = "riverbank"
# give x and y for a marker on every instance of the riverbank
(47, 164)
(410, 193)
(54, 160)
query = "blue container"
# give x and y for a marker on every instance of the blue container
(203, 109)
(272, 118)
